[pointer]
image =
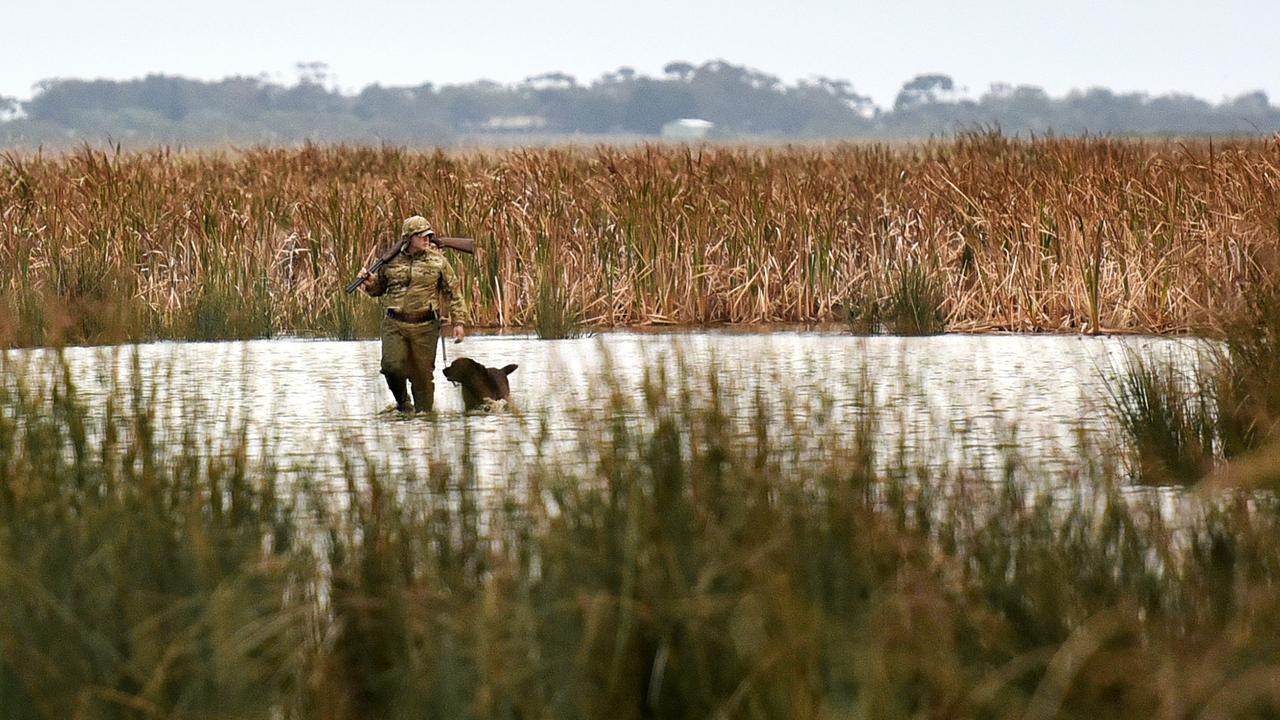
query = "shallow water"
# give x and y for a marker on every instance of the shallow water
(940, 398)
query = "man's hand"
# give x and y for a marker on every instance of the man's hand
(367, 280)
(458, 334)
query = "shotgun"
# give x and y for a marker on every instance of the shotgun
(466, 245)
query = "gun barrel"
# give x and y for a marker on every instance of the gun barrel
(377, 265)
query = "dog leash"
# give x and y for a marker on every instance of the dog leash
(444, 357)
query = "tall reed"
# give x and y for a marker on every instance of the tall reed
(1048, 234)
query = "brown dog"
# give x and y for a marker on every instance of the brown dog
(482, 387)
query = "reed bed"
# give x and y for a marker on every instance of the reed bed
(1055, 235)
(686, 559)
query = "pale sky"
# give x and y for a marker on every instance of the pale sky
(1208, 49)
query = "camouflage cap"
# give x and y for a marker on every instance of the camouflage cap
(415, 225)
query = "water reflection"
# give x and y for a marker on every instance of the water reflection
(939, 397)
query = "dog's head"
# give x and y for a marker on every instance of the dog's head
(464, 369)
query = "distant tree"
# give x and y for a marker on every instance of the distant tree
(165, 96)
(622, 75)
(1174, 112)
(1023, 108)
(578, 109)
(761, 80)
(681, 70)
(724, 94)
(843, 91)
(376, 101)
(1097, 110)
(307, 97)
(9, 108)
(244, 98)
(316, 73)
(57, 101)
(923, 90)
(1250, 104)
(817, 109)
(743, 100)
(654, 103)
(551, 80)
(478, 101)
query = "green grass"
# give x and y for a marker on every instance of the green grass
(556, 314)
(916, 304)
(1169, 418)
(143, 574)
(862, 311)
(701, 552)
(1182, 425)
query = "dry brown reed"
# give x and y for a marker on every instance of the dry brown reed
(1058, 235)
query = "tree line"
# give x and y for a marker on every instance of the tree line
(740, 101)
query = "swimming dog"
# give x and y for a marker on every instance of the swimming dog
(482, 387)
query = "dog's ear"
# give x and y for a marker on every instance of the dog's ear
(509, 369)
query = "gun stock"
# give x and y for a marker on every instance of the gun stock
(466, 245)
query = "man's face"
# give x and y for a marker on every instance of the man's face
(419, 243)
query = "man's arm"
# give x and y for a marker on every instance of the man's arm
(457, 306)
(375, 284)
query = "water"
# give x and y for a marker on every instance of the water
(940, 398)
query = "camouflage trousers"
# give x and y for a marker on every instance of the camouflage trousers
(409, 351)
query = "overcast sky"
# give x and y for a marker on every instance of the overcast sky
(1209, 49)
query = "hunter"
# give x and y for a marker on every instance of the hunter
(412, 287)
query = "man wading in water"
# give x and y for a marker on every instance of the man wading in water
(412, 286)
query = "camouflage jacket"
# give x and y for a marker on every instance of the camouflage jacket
(413, 284)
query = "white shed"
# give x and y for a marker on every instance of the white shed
(687, 129)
